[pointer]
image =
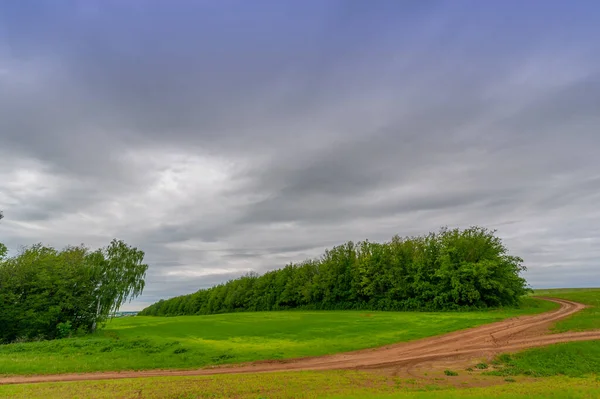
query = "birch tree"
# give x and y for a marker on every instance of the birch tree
(118, 272)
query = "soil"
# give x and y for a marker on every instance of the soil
(423, 358)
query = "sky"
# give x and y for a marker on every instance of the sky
(223, 137)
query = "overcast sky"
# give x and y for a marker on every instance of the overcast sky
(228, 136)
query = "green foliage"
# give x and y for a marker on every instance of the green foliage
(64, 329)
(46, 293)
(450, 373)
(118, 272)
(452, 269)
(135, 343)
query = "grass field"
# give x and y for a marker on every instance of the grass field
(575, 359)
(587, 319)
(137, 343)
(326, 384)
(144, 342)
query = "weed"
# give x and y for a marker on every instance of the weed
(450, 373)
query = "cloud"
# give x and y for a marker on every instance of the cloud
(223, 138)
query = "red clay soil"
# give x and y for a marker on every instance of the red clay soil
(455, 348)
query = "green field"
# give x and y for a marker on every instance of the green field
(575, 359)
(587, 319)
(136, 343)
(191, 341)
(326, 384)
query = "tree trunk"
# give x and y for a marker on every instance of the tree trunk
(94, 324)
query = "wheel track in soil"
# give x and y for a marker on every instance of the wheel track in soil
(455, 348)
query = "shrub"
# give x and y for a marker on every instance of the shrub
(64, 329)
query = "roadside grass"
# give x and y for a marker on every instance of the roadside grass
(141, 343)
(574, 359)
(587, 319)
(324, 384)
(554, 388)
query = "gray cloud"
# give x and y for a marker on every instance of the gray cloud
(226, 138)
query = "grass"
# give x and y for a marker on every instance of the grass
(574, 359)
(327, 384)
(137, 343)
(587, 319)
(190, 341)
(554, 388)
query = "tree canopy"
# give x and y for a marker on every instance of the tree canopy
(46, 293)
(451, 269)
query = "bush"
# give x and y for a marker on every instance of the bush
(64, 329)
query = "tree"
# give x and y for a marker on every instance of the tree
(44, 293)
(3, 249)
(118, 272)
(451, 269)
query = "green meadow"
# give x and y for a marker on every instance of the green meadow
(574, 359)
(587, 319)
(562, 371)
(136, 343)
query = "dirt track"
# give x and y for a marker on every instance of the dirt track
(454, 348)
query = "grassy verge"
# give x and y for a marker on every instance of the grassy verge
(138, 343)
(575, 359)
(554, 388)
(587, 319)
(329, 384)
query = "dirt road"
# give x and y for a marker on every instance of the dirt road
(403, 358)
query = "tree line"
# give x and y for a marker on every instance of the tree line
(448, 270)
(47, 293)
